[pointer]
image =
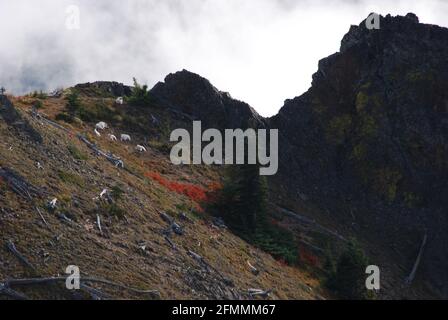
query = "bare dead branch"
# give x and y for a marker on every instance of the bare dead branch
(259, 292)
(41, 216)
(170, 243)
(11, 293)
(48, 280)
(254, 270)
(94, 293)
(98, 222)
(411, 276)
(12, 248)
(209, 267)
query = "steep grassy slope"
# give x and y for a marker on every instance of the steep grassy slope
(131, 249)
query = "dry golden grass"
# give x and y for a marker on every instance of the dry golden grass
(116, 256)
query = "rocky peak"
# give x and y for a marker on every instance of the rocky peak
(196, 96)
(108, 88)
(413, 17)
(190, 81)
(391, 27)
(400, 43)
(372, 129)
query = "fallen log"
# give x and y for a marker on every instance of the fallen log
(259, 292)
(39, 116)
(219, 222)
(19, 185)
(49, 280)
(95, 294)
(11, 293)
(195, 256)
(254, 270)
(177, 229)
(109, 156)
(12, 248)
(64, 218)
(209, 267)
(174, 226)
(166, 218)
(311, 223)
(98, 222)
(312, 246)
(41, 216)
(410, 278)
(170, 242)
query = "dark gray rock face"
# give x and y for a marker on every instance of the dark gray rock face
(191, 94)
(107, 88)
(370, 136)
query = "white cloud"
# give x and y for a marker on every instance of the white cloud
(261, 51)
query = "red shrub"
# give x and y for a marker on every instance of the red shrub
(282, 262)
(308, 257)
(194, 192)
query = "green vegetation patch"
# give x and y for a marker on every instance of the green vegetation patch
(39, 95)
(242, 203)
(385, 183)
(76, 153)
(140, 95)
(348, 278)
(71, 178)
(338, 129)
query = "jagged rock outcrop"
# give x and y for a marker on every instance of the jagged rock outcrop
(194, 95)
(104, 88)
(367, 142)
(370, 137)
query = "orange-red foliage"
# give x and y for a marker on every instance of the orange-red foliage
(308, 257)
(282, 262)
(194, 192)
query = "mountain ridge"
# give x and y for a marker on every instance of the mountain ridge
(362, 153)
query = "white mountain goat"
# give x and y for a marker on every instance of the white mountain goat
(103, 193)
(101, 125)
(52, 203)
(112, 137)
(103, 196)
(119, 100)
(140, 148)
(97, 132)
(125, 137)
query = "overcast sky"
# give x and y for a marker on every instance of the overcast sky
(261, 51)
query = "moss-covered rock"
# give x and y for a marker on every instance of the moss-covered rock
(339, 128)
